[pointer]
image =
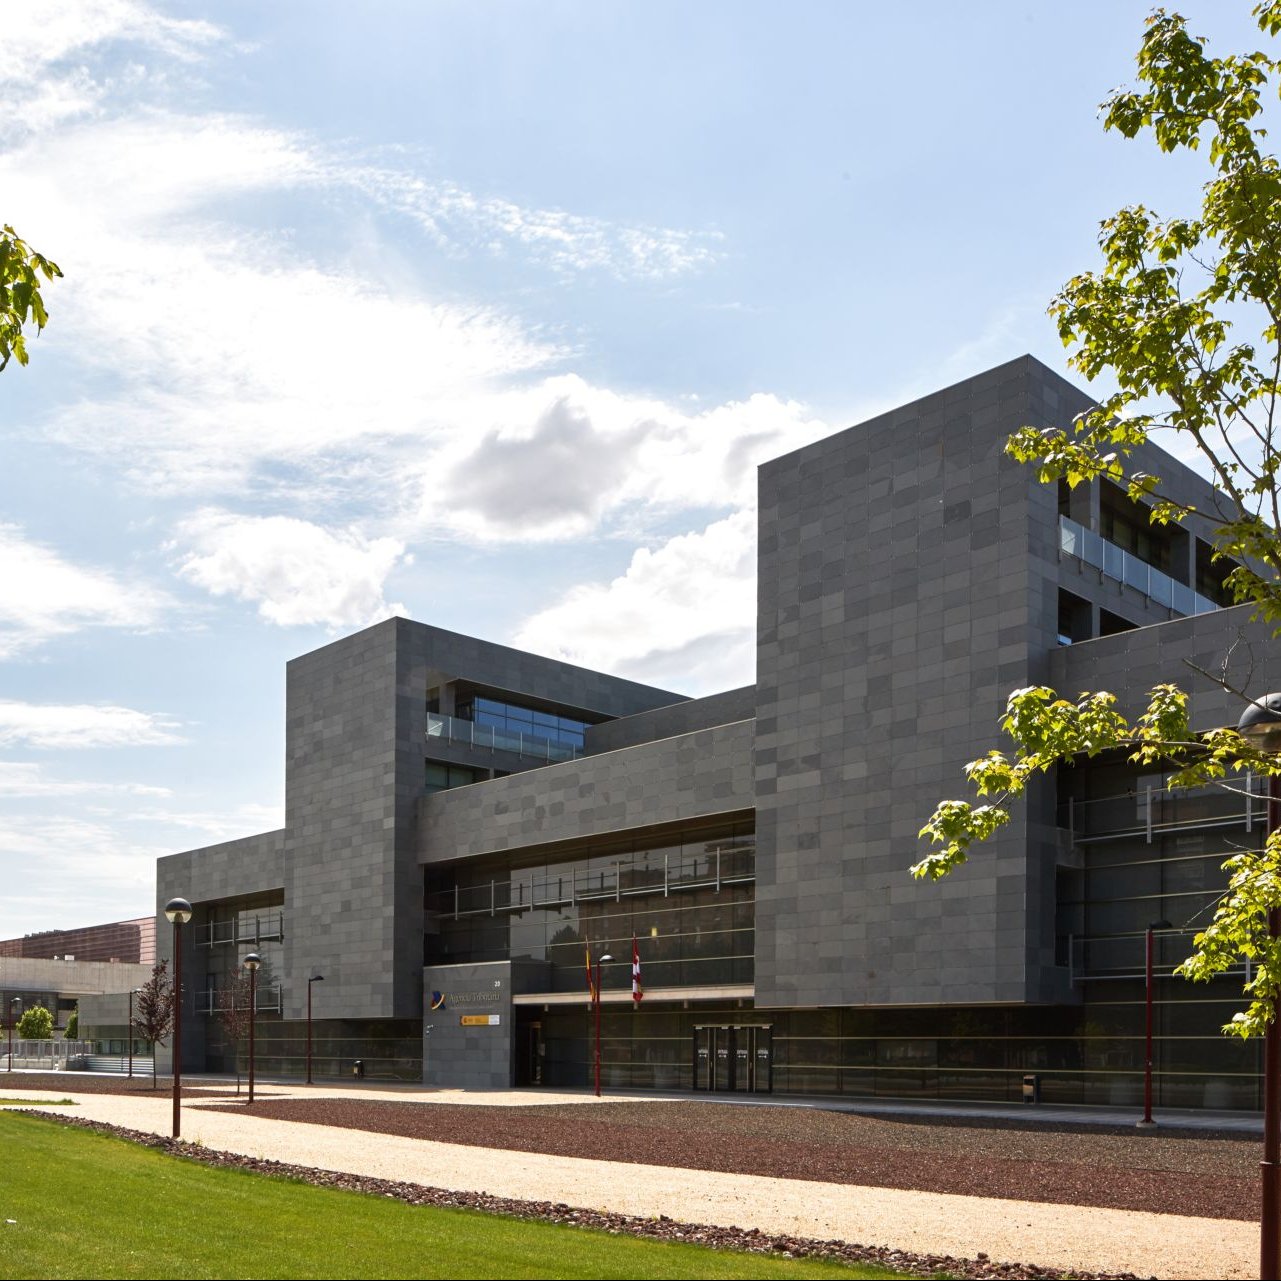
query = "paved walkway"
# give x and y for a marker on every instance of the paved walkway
(1067, 1237)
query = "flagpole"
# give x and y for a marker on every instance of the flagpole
(596, 993)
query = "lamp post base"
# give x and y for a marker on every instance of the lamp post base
(1270, 1239)
(1145, 1125)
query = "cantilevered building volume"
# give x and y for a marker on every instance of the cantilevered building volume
(464, 820)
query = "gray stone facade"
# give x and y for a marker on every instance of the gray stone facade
(348, 858)
(907, 581)
(677, 779)
(910, 576)
(467, 1042)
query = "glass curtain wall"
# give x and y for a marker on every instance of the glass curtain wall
(1150, 855)
(689, 902)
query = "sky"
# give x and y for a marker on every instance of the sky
(483, 314)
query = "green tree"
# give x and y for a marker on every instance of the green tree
(36, 1024)
(21, 273)
(1185, 316)
(153, 1011)
(73, 1026)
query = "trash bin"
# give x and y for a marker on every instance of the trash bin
(1031, 1088)
(358, 1068)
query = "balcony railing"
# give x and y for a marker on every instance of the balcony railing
(248, 927)
(1120, 566)
(211, 1000)
(454, 729)
(1148, 812)
(713, 870)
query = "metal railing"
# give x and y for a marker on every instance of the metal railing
(211, 1000)
(1119, 565)
(248, 927)
(142, 1064)
(454, 729)
(51, 1055)
(735, 865)
(1102, 957)
(1150, 811)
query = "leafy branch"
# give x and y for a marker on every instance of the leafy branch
(21, 273)
(1049, 731)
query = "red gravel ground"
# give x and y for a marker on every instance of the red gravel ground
(1172, 1173)
(60, 1083)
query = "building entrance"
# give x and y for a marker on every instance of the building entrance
(734, 1058)
(531, 1053)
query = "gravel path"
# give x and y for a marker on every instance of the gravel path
(1204, 1177)
(1064, 1237)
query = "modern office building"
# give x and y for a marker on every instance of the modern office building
(130, 942)
(465, 821)
(62, 985)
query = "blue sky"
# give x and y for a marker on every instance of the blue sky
(480, 313)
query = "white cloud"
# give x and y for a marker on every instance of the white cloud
(294, 571)
(224, 357)
(39, 36)
(77, 725)
(43, 596)
(557, 459)
(22, 779)
(685, 611)
(564, 241)
(215, 826)
(63, 870)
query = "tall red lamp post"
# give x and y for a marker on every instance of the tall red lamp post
(1147, 1060)
(315, 978)
(1261, 724)
(252, 962)
(178, 910)
(596, 1001)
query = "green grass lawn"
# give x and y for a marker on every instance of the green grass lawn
(36, 1103)
(87, 1205)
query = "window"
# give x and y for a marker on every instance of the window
(441, 777)
(1210, 574)
(511, 718)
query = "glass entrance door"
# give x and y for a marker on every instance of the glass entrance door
(531, 1053)
(733, 1058)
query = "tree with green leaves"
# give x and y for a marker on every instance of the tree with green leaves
(1185, 316)
(72, 1031)
(22, 272)
(36, 1024)
(153, 1011)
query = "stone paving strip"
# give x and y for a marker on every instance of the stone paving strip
(1058, 1236)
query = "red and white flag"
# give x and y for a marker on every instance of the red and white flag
(636, 983)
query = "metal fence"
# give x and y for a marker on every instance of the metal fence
(52, 1056)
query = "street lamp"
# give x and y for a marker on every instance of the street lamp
(1147, 1068)
(132, 993)
(17, 1000)
(1260, 723)
(596, 993)
(178, 910)
(315, 978)
(252, 962)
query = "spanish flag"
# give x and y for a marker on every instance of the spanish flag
(637, 994)
(591, 985)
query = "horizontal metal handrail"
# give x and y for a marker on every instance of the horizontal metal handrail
(454, 729)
